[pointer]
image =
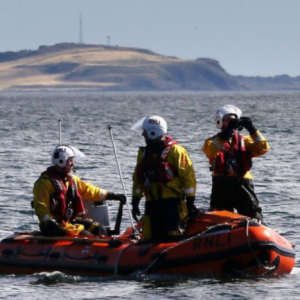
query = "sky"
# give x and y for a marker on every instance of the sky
(247, 37)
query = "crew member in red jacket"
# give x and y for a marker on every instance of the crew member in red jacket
(230, 155)
(59, 195)
(165, 176)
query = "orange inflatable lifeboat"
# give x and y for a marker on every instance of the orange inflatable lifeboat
(215, 244)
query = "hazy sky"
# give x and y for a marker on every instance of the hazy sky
(247, 37)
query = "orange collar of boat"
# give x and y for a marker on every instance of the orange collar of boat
(215, 244)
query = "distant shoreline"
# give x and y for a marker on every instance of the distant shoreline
(68, 67)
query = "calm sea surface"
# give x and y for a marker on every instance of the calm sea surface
(29, 131)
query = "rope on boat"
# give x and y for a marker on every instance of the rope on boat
(180, 244)
(119, 257)
(260, 265)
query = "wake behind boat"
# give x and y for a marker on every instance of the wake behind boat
(218, 243)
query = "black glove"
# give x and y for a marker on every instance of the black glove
(54, 229)
(135, 207)
(192, 210)
(228, 132)
(117, 197)
(247, 124)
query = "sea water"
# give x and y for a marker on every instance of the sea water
(29, 130)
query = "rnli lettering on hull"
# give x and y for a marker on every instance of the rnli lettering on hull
(212, 242)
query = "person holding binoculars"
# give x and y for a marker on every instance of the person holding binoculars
(230, 156)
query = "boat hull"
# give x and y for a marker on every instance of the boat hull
(216, 244)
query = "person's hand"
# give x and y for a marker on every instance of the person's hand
(233, 124)
(135, 208)
(55, 228)
(192, 210)
(121, 198)
(247, 124)
(117, 197)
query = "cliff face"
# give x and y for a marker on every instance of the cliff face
(69, 66)
(74, 66)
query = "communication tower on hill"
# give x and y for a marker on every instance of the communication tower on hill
(80, 30)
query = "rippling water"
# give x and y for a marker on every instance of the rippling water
(29, 131)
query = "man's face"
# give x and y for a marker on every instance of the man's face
(226, 120)
(70, 164)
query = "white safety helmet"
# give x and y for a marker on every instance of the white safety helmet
(61, 154)
(226, 110)
(155, 127)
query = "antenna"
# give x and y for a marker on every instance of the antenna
(108, 40)
(59, 129)
(80, 30)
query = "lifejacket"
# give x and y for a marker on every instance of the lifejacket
(233, 158)
(156, 169)
(66, 202)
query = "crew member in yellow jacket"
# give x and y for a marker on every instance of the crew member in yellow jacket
(230, 155)
(164, 175)
(59, 195)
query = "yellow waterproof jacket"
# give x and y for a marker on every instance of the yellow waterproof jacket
(184, 182)
(255, 144)
(44, 190)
